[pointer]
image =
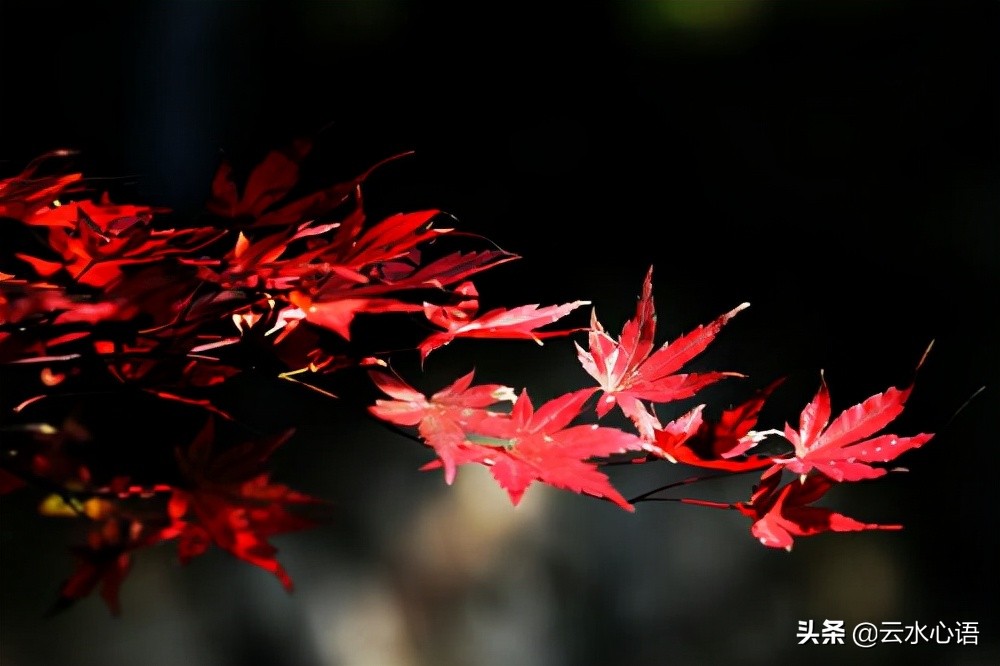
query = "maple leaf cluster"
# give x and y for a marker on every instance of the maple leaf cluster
(633, 374)
(128, 301)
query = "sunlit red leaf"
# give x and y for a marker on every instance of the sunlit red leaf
(445, 418)
(391, 238)
(520, 323)
(629, 371)
(530, 445)
(845, 449)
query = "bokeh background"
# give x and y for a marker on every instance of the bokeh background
(835, 163)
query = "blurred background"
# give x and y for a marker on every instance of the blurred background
(834, 163)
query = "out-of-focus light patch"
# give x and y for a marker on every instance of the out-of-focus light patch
(363, 625)
(461, 584)
(461, 533)
(469, 575)
(857, 581)
(703, 24)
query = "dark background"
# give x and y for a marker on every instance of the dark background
(834, 163)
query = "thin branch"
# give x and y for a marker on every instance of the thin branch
(688, 500)
(645, 497)
(289, 376)
(203, 403)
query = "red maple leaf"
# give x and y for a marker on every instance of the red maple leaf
(269, 182)
(780, 514)
(629, 371)
(716, 444)
(523, 446)
(445, 418)
(844, 450)
(233, 504)
(530, 445)
(520, 323)
(263, 201)
(105, 561)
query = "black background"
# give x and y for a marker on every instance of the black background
(833, 163)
